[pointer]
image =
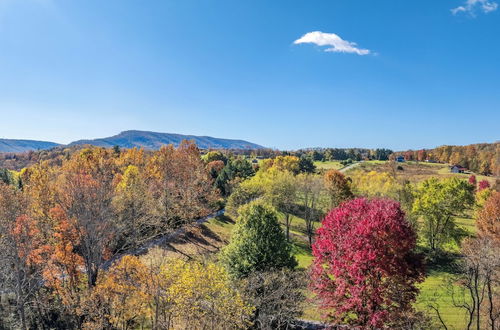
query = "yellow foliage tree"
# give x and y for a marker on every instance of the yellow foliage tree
(166, 293)
(375, 184)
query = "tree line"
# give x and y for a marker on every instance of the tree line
(479, 158)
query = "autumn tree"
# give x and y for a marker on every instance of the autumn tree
(133, 156)
(438, 202)
(204, 298)
(277, 296)
(281, 190)
(85, 193)
(488, 218)
(365, 271)
(374, 184)
(179, 185)
(63, 268)
(338, 187)
(287, 163)
(22, 252)
(483, 184)
(215, 167)
(480, 271)
(474, 286)
(257, 243)
(309, 199)
(132, 204)
(191, 294)
(472, 180)
(119, 298)
(40, 190)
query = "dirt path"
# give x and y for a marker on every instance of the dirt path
(348, 167)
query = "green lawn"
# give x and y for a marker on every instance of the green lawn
(221, 225)
(328, 165)
(433, 291)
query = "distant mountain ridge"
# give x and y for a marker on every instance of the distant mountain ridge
(10, 145)
(131, 139)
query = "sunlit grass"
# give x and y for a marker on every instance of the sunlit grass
(328, 165)
(433, 291)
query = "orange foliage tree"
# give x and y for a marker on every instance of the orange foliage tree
(488, 218)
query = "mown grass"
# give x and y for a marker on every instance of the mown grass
(222, 226)
(434, 291)
(328, 165)
(436, 288)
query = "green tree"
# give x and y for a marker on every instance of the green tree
(306, 165)
(5, 176)
(258, 243)
(281, 191)
(438, 202)
(235, 168)
(213, 156)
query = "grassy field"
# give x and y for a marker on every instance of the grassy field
(414, 171)
(328, 165)
(433, 291)
(435, 288)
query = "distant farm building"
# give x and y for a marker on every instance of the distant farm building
(457, 169)
(400, 159)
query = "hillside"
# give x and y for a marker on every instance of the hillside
(153, 140)
(131, 139)
(9, 145)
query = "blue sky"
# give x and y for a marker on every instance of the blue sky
(421, 74)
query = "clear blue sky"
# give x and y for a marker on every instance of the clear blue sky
(423, 73)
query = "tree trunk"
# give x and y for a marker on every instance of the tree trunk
(287, 224)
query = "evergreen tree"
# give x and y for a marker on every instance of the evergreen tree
(258, 243)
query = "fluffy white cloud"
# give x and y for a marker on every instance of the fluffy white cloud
(471, 6)
(336, 43)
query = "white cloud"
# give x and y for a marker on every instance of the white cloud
(336, 43)
(471, 6)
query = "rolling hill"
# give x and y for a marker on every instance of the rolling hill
(131, 139)
(9, 145)
(153, 140)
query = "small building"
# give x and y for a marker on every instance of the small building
(457, 169)
(400, 159)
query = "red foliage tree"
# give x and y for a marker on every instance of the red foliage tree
(472, 180)
(483, 184)
(488, 218)
(364, 271)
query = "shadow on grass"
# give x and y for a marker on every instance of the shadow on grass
(440, 261)
(224, 219)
